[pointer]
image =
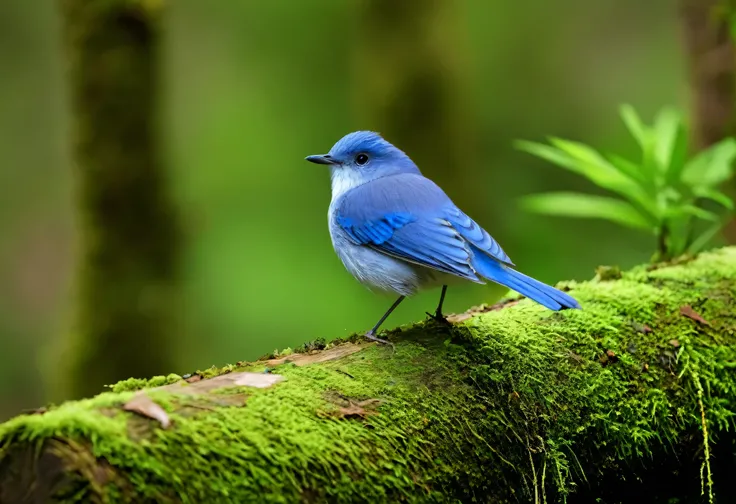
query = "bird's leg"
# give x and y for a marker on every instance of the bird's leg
(438, 315)
(371, 335)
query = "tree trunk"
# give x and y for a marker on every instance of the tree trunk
(712, 65)
(630, 399)
(408, 75)
(711, 55)
(128, 228)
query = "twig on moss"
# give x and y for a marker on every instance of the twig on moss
(706, 445)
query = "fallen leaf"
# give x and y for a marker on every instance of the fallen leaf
(257, 380)
(355, 411)
(688, 311)
(145, 406)
(460, 317)
(229, 380)
(675, 343)
(360, 409)
(300, 359)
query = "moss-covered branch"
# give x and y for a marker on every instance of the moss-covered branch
(129, 233)
(513, 404)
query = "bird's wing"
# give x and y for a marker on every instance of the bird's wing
(409, 217)
(476, 235)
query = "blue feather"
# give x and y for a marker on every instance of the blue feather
(542, 293)
(399, 216)
(476, 235)
(407, 216)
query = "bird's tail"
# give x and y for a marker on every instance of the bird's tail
(543, 294)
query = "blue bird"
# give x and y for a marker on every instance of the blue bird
(397, 232)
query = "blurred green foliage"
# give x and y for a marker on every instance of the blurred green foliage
(253, 87)
(665, 191)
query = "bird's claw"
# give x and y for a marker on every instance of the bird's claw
(438, 317)
(369, 335)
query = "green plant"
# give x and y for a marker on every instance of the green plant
(663, 193)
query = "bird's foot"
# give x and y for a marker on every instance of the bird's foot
(372, 336)
(438, 317)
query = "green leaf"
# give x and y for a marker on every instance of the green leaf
(645, 137)
(682, 210)
(591, 162)
(670, 143)
(705, 237)
(635, 126)
(631, 169)
(566, 204)
(713, 195)
(665, 135)
(554, 156)
(585, 161)
(711, 166)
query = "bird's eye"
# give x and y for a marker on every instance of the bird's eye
(361, 159)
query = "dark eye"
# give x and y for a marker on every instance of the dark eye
(361, 159)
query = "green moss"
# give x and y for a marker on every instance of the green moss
(140, 383)
(283, 353)
(607, 273)
(515, 405)
(311, 346)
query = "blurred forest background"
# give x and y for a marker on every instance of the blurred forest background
(250, 88)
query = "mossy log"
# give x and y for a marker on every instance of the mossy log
(631, 399)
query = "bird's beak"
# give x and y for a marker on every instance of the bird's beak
(325, 159)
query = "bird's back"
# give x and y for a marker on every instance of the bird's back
(403, 192)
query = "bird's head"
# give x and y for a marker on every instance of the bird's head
(363, 156)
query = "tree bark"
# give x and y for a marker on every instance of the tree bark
(630, 399)
(129, 235)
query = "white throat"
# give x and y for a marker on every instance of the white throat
(344, 179)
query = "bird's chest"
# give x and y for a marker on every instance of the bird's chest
(373, 269)
(357, 259)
